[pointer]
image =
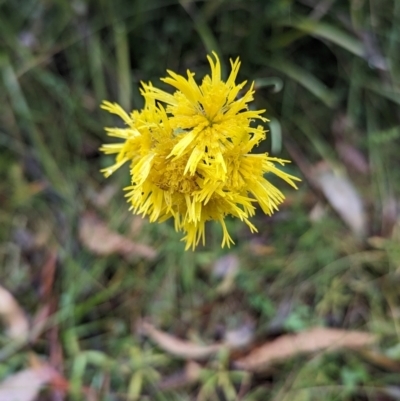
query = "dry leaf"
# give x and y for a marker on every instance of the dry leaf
(25, 385)
(180, 348)
(13, 316)
(313, 340)
(185, 377)
(380, 360)
(343, 197)
(99, 239)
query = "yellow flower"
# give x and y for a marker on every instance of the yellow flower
(191, 159)
(209, 117)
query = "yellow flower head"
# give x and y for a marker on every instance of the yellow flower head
(207, 118)
(190, 154)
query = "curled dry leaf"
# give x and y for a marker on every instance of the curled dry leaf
(314, 340)
(11, 313)
(343, 197)
(180, 348)
(99, 239)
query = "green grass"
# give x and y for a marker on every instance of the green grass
(59, 60)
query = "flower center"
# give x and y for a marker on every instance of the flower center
(169, 176)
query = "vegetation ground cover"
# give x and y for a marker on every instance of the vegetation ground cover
(112, 306)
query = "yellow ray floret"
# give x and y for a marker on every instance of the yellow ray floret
(190, 154)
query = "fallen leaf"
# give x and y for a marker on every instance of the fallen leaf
(187, 376)
(14, 318)
(380, 360)
(25, 385)
(180, 348)
(313, 340)
(99, 239)
(342, 196)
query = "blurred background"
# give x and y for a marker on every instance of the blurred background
(97, 304)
